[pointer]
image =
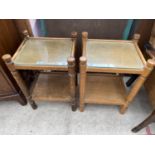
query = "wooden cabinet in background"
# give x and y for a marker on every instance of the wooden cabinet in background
(10, 39)
(9, 90)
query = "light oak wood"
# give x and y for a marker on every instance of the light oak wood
(140, 54)
(136, 38)
(110, 56)
(72, 77)
(47, 55)
(106, 89)
(52, 87)
(19, 48)
(50, 67)
(83, 67)
(138, 84)
(83, 61)
(114, 70)
(149, 85)
(112, 40)
(84, 39)
(74, 39)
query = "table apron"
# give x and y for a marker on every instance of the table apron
(116, 70)
(58, 68)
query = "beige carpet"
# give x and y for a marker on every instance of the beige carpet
(57, 118)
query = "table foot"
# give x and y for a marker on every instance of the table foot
(74, 107)
(33, 105)
(123, 109)
(81, 108)
(22, 101)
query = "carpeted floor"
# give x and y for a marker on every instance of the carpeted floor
(57, 118)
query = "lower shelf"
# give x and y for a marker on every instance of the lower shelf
(105, 89)
(52, 87)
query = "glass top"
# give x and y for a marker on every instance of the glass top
(40, 52)
(112, 54)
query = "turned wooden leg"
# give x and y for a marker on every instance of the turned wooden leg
(131, 80)
(139, 82)
(71, 72)
(33, 104)
(74, 107)
(123, 108)
(18, 78)
(15, 73)
(76, 80)
(150, 119)
(82, 107)
(82, 82)
(22, 101)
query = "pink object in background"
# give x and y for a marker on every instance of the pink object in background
(148, 130)
(34, 26)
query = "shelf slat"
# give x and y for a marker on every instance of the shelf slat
(105, 89)
(52, 87)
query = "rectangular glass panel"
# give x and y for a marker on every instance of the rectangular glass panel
(112, 54)
(42, 52)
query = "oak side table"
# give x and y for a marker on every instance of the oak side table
(54, 59)
(102, 66)
(150, 88)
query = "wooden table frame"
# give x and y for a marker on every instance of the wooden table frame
(16, 93)
(84, 69)
(151, 118)
(14, 69)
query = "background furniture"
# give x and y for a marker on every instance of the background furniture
(150, 82)
(9, 41)
(150, 119)
(150, 88)
(10, 37)
(49, 56)
(116, 58)
(9, 89)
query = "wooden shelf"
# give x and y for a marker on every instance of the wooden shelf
(52, 87)
(106, 89)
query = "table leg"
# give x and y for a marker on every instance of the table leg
(72, 81)
(138, 84)
(18, 78)
(21, 99)
(82, 82)
(33, 104)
